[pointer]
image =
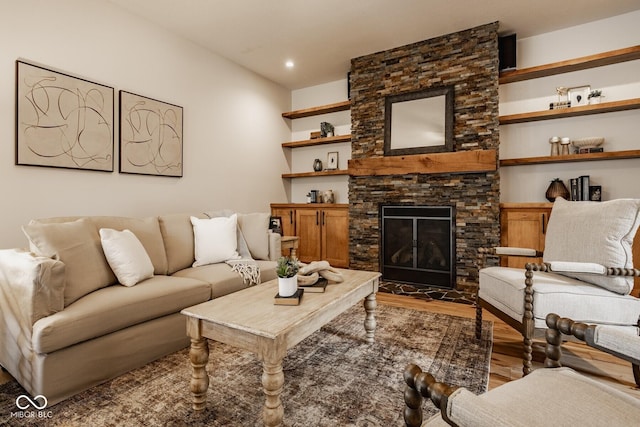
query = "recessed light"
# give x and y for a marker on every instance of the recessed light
(289, 64)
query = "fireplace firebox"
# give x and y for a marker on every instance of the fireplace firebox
(418, 245)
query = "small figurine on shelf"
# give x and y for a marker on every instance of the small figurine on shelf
(595, 96)
(326, 129)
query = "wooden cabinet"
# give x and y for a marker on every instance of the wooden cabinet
(323, 230)
(523, 225)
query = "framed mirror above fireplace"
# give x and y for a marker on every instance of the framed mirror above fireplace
(419, 122)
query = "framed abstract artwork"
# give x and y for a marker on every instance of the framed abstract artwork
(62, 120)
(150, 136)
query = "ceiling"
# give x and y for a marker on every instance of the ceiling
(322, 36)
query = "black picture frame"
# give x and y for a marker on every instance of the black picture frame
(63, 120)
(275, 224)
(151, 136)
(595, 193)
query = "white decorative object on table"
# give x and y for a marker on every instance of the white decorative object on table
(287, 269)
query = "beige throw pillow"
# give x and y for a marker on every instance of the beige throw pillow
(77, 245)
(255, 229)
(594, 232)
(126, 256)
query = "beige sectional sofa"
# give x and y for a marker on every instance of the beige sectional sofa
(66, 323)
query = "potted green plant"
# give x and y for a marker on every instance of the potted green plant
(287, 270)
(595, 96)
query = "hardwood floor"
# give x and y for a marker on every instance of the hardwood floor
(506, 361)
(506, 357)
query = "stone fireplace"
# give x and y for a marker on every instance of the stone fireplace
(465, 180)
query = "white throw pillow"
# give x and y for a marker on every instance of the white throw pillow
(595, 232)
(126, 256)
(215, 239)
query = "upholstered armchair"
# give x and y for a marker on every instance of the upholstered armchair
(587, 273)
(551, 396)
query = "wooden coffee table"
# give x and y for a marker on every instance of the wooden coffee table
(249, 319)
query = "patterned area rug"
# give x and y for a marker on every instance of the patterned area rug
(332, 378)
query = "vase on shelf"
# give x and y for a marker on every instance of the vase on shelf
(557, 189)
(317, 165)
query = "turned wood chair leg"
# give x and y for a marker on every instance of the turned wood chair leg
(636, 374)
(412, 398)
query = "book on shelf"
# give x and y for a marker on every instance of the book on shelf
(318, 287)
(291, 300)
(584, 183)
(574, 188)
(590, 150)
(580, 188)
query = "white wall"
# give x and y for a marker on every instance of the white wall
(621, 129)
(232, 118)
(301, 159)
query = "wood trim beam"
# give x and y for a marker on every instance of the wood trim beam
(475, 161)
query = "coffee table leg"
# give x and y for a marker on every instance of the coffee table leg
(199, 356)
(370, 305)
(272, 382)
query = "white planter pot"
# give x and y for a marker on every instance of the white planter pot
(287, 286)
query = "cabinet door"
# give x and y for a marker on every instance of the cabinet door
(288, 218)
(335, 237)
(523, 229)
(308, 229)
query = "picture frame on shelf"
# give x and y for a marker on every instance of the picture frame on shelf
(595, 193)
(579, 95)
(275, 224)
(332, 160)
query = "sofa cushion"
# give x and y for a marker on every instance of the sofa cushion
(222, 280)
(215, 239)
(117, 307)
(596, 232)
(503, 288)
(147, 230)
(255, 229)
(177, 234)
(77, 245)
(126, 256)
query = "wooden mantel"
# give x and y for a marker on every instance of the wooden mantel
(454, 162)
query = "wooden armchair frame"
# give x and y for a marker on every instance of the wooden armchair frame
(527, 325)
(421, 384)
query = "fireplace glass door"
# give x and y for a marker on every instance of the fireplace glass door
(418, 245)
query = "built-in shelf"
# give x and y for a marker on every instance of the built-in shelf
(576, 64)
(613, 155)
(314, 174)
(318, 141)
(314, 111)
(605, 107)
